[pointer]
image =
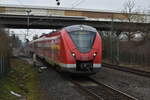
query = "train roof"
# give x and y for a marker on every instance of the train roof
(80, 27)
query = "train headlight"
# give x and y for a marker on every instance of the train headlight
(73, 54)
(94, 54)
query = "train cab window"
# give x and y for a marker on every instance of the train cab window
(83, 39)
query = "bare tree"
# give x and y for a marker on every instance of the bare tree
(133, 13)
(15, 41)
(128, 9)
(4, 44)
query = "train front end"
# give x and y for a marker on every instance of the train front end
(83, 49)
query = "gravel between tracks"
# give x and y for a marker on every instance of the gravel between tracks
(134, 85)
(55, 87)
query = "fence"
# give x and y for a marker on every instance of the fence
(126, 52)
(4, 64)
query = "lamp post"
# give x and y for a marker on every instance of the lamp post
(111, 38)
(28, 20)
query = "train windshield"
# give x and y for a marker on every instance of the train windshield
(83, 39)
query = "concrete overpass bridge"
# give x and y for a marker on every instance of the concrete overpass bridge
(56, 22)
(60, 11)
(55, 18)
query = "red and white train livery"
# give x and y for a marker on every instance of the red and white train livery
(76, 49)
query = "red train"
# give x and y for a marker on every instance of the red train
(76, 49)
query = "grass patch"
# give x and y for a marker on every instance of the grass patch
(22, 79)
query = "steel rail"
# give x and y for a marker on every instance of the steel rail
(126, 69)
(92, 94)
(118, 92)
(102, 91)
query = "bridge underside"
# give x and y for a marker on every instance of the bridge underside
(55, 22)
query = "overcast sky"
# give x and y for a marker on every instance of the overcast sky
(116, 5)
(106, 5)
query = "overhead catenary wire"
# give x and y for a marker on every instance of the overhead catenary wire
(77, 4)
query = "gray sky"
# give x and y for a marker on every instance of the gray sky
(116, 5)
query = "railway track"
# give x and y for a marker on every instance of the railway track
(129, 70)
(100, 91)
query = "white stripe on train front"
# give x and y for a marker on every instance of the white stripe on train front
(74, 65)
(67, 65)
(97, 65)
